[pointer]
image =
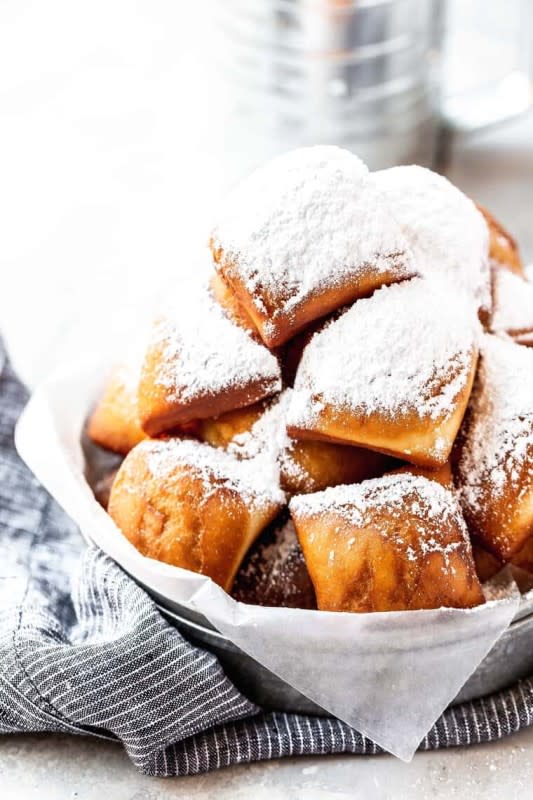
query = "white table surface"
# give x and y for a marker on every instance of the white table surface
(103, 190)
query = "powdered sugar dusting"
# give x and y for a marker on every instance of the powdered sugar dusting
(268, 433)
(216, 468)
(447, 232)
(286, 541)
(498, 444)
(309, 219)
(407, 349)
(513, 303)
(395, 492)
(268, 440)
(204, 352)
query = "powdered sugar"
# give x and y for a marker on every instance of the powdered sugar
(404, 493)
(269, 441)
(275, 554)
(274, 572)
(204, 352)
(447, 232)
(216, 468)
(407, 349)
(268, 433)
(309, 219)
(498, 444)
(513, 303)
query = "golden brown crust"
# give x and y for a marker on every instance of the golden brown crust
(503, 248)
(323, 464)
(220, 431)
(388, 558)
(188, 520)
(524, 557)
(275, 326)
(159, 412)
(504, 524)
(291, 352)
(487, 566)
(305, 466)
(114, 424)
(207, 374)
(443, 475)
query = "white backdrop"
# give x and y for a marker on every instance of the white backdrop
(105, 174)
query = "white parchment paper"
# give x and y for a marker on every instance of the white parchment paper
(389, 675)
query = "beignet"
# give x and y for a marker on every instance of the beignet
(494, 470)
(304, 466)
(274, 571)
(305, 234)
(393, 373)
(221, 431)
(394, 543)
(193, 506)
(200, 363)
(114, 422)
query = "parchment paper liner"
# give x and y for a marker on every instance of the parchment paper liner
(389, 675)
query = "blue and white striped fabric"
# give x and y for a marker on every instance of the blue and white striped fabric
(84, 650)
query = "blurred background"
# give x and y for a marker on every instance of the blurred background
(122, 124)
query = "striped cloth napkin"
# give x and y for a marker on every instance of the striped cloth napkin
(84, 650)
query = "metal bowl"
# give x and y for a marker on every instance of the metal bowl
(510, 659)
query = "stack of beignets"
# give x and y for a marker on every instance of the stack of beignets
(297, 429)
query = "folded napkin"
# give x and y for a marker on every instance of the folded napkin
(84, 650)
